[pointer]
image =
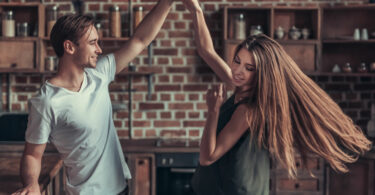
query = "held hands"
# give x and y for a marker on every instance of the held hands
(28, 190)
(215, 98)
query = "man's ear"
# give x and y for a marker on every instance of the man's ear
(69, 47)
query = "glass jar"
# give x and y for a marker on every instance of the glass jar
(8, 24)
(138, 16)
(52, 15)
(23, 29)
(50, 63)
(115, 29)
(240, 27)
(256, 30)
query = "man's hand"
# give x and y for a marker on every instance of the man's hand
(28, 190)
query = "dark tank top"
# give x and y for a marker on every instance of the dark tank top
(243, 170)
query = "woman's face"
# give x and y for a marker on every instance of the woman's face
(243, 70)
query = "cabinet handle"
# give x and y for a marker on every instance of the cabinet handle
(13, 65)
(296, 185)
(141, 162)
(297, 164)
(182, 170)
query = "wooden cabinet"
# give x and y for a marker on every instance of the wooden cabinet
(305, 183)
(142, 168)
(330, 40)
(12, 48)
(359, 180)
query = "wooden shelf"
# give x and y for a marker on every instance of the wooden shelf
(18, 4)
(339, 74)
(102, 39)
(19, 38)
(301, 41)
(339, 41)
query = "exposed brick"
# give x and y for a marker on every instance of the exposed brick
(177, 61)
(94, 7)
(150, 133)
(180, 115)
(165, 115)
(163, 61)
(22, 98)
(201, 106)
(195, 87)
(180, 106)
(173, 16)
(178, 78)
(180, 34)
(193, 97)
(167, 88)
(194, 123)
(138, 133)
(165, 52)
(122, 133)
(194, 133)
(167, 124)
(193, 114)
(151, 106)
(21, 79)
(166, 43)
(337, 87)
(151, 115)
(180, 7)
(122, 115)
(141, 123)
(24, 88)
(172, 133)
(165, 97)
(117, 123)
(364, 87)
(179, 97)
(180, 25)
(163, 78)
(179, 70)
(16, 107)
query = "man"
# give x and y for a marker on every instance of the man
(73, 109)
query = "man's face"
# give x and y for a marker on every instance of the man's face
(88, 49)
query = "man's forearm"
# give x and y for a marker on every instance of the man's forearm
(30, 170)
(152, 23)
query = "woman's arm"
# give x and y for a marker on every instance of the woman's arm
(214, 147)
(204, 43)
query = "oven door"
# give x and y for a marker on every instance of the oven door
(174, 181)
(174, 172)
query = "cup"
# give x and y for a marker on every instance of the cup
(356, 35)
(22, 29)
(364, 34)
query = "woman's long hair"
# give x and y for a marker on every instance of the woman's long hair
(291, 112)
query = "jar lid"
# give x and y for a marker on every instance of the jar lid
(241, 16)
(55, 8)
(10, 12)
(115, 8)
(98, 25)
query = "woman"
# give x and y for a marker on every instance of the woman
(276, 111)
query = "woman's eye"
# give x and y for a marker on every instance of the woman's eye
(237, 61)
(250, 69)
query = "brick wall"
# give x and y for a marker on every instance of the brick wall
(177, 106)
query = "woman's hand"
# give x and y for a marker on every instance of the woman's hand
(215, 98)
(28, 190)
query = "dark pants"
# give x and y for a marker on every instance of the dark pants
(125, 191)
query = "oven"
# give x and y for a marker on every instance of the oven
(174, 172)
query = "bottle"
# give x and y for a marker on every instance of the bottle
(8, 24)
(115, 22)
(240, 27)
(52, 15)
(138, 16)
(371, 122)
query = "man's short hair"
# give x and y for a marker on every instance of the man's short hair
(69, 27)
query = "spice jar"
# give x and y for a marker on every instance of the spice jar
(8, 24)
(22, 29)
(240, 27)
(115, 21)
(52, 14)
(138, 16)
(50, 63)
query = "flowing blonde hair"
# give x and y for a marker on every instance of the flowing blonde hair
(291, 112)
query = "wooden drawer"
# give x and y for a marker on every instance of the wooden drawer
(18, 55)
(285, 184)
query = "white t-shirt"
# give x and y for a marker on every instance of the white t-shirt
(81, 127)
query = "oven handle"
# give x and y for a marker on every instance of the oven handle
(182, 170)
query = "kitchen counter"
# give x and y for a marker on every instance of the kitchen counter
(10, 179)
